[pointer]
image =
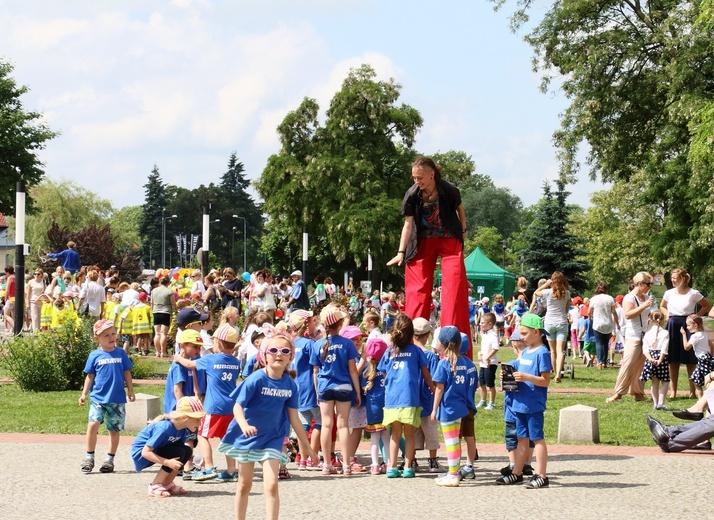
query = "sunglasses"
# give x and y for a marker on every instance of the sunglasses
(285, 351)
(648, 284)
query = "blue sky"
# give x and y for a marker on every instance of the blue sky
(183, 83)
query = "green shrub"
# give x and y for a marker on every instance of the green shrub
(142, 369)
(49, 360)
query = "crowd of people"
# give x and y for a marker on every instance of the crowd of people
(255, 357)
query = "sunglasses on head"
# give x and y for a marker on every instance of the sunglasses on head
(285, 351)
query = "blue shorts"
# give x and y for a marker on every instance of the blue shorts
(487, 376)
(557, 332)
(307, 416)
(529, 426)
(511, 437)
(336, 394)
(114, 413)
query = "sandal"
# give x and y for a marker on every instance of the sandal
(283, 474)
(158, 491)
(174, 489)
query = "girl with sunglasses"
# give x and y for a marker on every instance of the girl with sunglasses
(266, 407)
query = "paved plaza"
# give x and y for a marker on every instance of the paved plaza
(42, 480)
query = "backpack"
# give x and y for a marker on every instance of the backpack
(539, 307)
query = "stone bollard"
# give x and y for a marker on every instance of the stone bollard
(578, 424)
(144, 408)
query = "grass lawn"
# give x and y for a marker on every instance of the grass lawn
(50, 412)
(621, 423)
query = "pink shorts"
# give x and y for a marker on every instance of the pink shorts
(214, 425)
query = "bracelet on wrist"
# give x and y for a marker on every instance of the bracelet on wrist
(401, 252)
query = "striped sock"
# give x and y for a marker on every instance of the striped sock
(450, 430)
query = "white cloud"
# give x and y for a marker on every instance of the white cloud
(183, 83)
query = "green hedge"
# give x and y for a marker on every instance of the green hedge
(51, 360)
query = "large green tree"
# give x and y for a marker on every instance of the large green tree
(549, 242)
(493, 207)
(152, 215)
(22, 135)
(234, 199)
(617, 229)
(344, 180)
(640, 81)
(66, 203)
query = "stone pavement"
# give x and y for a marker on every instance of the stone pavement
(42, 480)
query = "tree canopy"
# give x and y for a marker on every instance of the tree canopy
(550, 244)
(640, 81)
(22, 135)
(344, 180)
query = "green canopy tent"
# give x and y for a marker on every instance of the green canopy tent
(488, 276)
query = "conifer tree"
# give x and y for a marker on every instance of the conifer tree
(155, 199)
(550, 245)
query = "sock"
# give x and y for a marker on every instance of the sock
(450, 430)
(110, 456)
(469, 464)
(374, 448)
(90, 455)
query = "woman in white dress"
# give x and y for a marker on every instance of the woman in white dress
(678, 303)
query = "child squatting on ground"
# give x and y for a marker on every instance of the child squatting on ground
(108, 369)
(532, 374)
(164, 442)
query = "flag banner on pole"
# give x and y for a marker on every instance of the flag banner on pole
(194, 243)
(183, 245)
(178, 244)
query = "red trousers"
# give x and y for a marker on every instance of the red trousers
(419, 282)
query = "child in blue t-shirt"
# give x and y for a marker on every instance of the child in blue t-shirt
(265, 409)
(374, 403)
(451, 400)
(427, 435)
(164, 442)
(402, 401)
(334, 361)
(586, 335)
(108, 369)
(302, 327)
(180, 382)
(529, 402)
(221, 370)
(467, 431)
(509, 418)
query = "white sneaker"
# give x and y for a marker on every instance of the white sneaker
(448, 480)
(490, 406)
(481, 404)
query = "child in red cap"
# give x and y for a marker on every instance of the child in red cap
(108, 369)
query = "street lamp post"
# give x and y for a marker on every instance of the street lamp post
(233, 247)
(245, 239)
(163, 236)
